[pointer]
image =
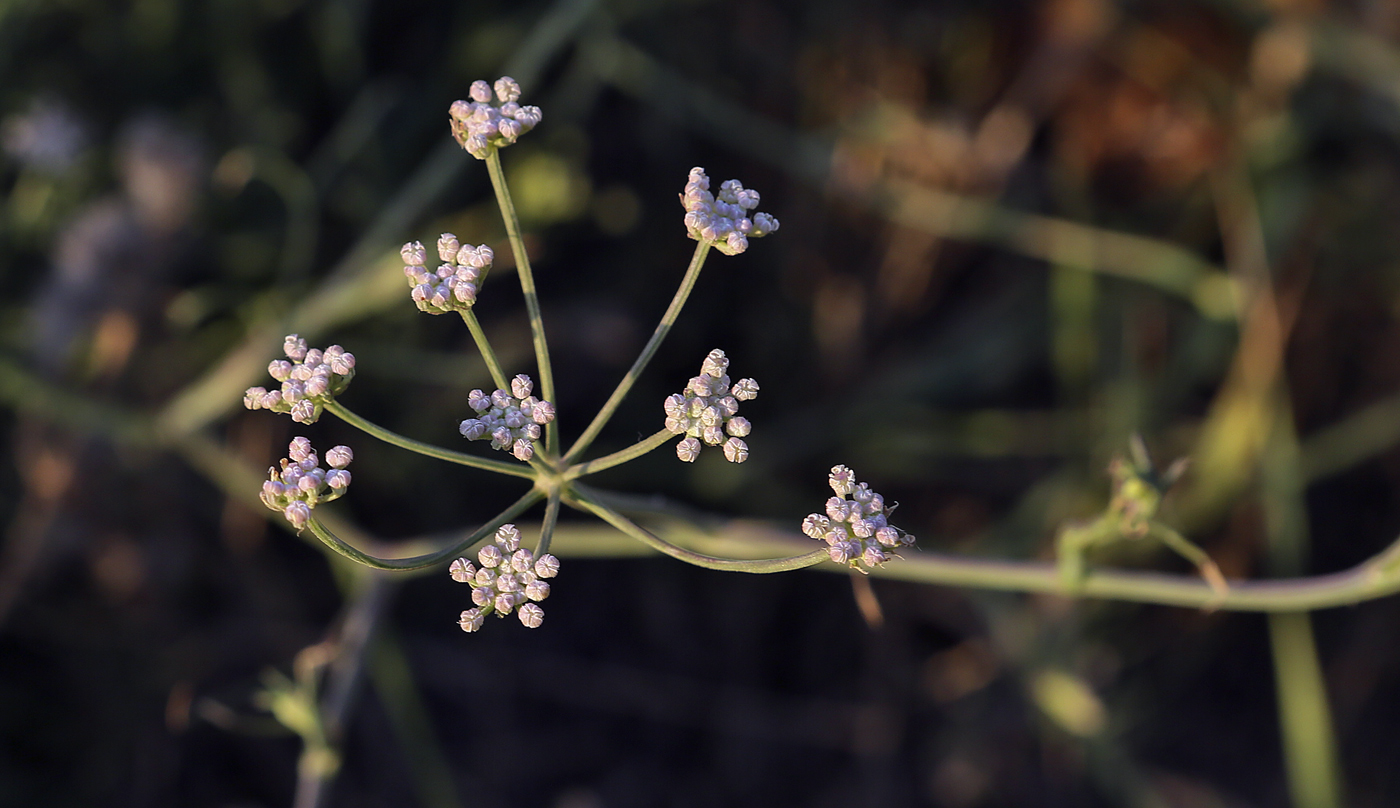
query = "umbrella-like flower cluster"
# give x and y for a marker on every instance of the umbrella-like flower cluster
(511, 420)
(310, 379)
(480, 126)
(454, 285)
(301, 484)
(856, 524)
(708, 408)
(723, 220)
(509, 578)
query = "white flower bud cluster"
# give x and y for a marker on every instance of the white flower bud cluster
(509, 578)
(708, 409)
(309, 380)
(856, 524)
(301, 484)
(510, 420)
(724, 221)
(480, 126)
(454, 285)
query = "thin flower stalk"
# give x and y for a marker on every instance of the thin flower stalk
(513, 469)
(353, 553)
(527, 286)
(488, 355)
(767, 565)
(673, 311)
(636, 450)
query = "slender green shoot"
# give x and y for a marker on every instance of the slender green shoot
(617, 458)
(551, 518)
(513, 469)
(527, 285)
(484, 346)
(622, 523)
(697, 262)
(419, 562)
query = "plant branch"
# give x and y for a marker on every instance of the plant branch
(418, 562)
(551, 518)
(371, 428)
(579, 499)
(484, 347)
(632, 452)
(527, 285)
(697, 262)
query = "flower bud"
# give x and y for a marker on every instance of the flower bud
(504, 602)
(531, 615)
(815, 525)
(508, 536)
(546, 566)
(471, 620)
(507, 89)
(738, 426)
(746, 390)
(338, 479)
(688, 450)
(305, 412)
(521, 386)
(523, 451)
(537, 590)
(253, 398)
(489, 555)
(295, 347)
(461, 571)
(480, 92)
(339, 457)
(298, 513)
(447, 247)
(736, 451)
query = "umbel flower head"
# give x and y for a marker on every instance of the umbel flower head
(708, 408)
(301, 484)
(856, 524)
(454, 285)
(510, 420)
(724, 220)
(310, 379)
(482, 127)
(509, 578)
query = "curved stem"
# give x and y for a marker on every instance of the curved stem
(697, 261)
(551, 518)
(484, 346)
(339, 410)
(645, 536)
(418, 562)
(527, 285)
(632, 452)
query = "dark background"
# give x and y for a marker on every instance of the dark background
(185, 182)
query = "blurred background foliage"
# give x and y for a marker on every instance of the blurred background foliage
(1014, 233)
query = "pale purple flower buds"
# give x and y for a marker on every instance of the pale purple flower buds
(856, 530)
(708, 408)
(455, 284)
(508, 580)
(309, 381)
(481, 126)
(723, 221)
(299, 484)
(512, 420)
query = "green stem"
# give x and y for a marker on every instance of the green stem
(617, 520)
(512, 469)
(697, 261)
(632, 452)
(418, 562)
(551, 518)
(484, 346)
(527, 285)
(1305, 719)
